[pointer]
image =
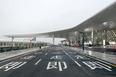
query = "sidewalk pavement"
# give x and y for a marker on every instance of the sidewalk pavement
(10, 54)
(105, 56)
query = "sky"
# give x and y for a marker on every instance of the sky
(40, 16)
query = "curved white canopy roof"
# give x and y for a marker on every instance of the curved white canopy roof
(106, 19)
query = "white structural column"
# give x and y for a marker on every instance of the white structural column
(12, 39)
(105, 38)
(80, 39)
(92, 37)
(53, 39)
(34, 38)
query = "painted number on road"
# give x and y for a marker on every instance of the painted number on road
(57, 65)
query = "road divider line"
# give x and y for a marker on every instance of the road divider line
(89, 65)
(15, 64)
(37, 61)
(102, 66)
(77, 63)
(72, 58)
(60, 68)
(65, 66)
(18, 56)
(20, 65)
(13, 58)
(101, 61)
(113, 65)
(46, 53)
(90, 56)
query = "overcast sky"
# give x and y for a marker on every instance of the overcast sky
(39, 16)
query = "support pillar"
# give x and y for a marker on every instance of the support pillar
(92, 37)
(80, 39)
(34, 38)
(105, 37)
(12, 39)
(53, 39)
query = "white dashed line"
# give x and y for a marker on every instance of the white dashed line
(46, 53)
(60, 68)
(72, 59)
(37, 61)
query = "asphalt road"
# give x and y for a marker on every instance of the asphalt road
(56, 61)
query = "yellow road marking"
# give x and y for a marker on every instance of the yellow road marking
(16, 57)
(113, 65)
(95, 58)
(90, 56)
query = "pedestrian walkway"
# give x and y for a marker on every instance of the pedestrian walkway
(10, 54)
(107, 47)
(105, 56)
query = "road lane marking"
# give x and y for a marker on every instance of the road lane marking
(20, 65)
(65, 65)
(12, 65)
(102, 66)
(13, 58)
(46, 53)
(90, 56)
(113, 65)
(57, 65)
(94, 65)
(17, 57)
(90, 66)
(56, 57)
(51, 65)
(28, 57)
(60, 68)
(102, 61)
(15, 64)
(72, 58)
(37, 61)
(77, 63)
